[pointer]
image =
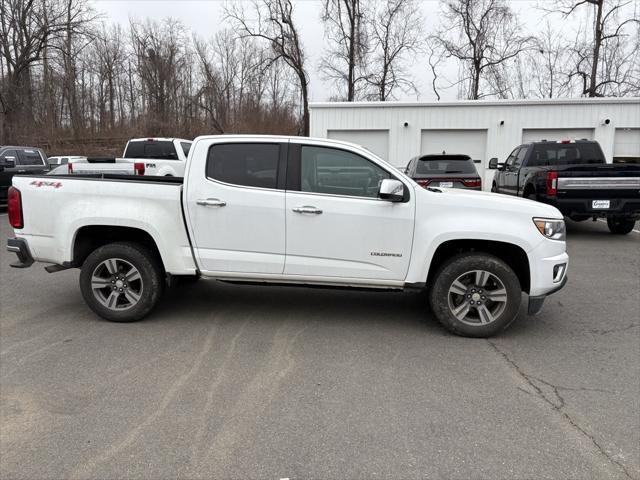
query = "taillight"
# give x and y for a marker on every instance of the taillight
(472, 182)
(14, 208)
(70, 167)
(139, 168)
(552, 183)
(423, 183)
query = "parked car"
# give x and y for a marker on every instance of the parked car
(574, 177)
(444, 170)
(291, 210)
(64, 159)
(161, 156)
(14, 160)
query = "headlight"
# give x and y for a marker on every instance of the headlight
(553, 229)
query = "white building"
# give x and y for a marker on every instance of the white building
(397, 131)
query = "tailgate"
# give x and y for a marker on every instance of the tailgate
(599, 181)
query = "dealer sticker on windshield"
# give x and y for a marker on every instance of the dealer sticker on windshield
(600, 204)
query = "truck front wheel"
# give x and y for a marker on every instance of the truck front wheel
(121, 282)
(620, 226)
(475, 295)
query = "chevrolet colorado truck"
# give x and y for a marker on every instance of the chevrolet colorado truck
(291, 210)
(574, 177)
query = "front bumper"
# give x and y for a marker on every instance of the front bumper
(536, 303)
(21, 249)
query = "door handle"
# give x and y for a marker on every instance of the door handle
(307, 209)
(211, 202)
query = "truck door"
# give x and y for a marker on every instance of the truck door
(30, 161)
(336, 224)
(511, 170)
(236, 207)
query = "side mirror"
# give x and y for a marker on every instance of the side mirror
(391, 190)
(8, 162)
(493, 164)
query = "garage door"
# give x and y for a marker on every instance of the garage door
(537, 134)
(468, 142)
(627, 144)
(375, 140)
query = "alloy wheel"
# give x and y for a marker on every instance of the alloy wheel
(477, 298)
(117, 284)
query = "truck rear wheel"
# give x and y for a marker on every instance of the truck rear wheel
(620, 226)
(121, 282)
(475, 295)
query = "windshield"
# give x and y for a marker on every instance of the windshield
(427, 166)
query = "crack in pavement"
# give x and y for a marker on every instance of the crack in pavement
(614, 330)
(558, 404)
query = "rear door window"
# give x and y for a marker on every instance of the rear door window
(244, 164)
(568, 154)
(186, 146)
(29, 157)
(157, 150)
(444, 166)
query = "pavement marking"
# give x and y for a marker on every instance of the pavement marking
(604, 221)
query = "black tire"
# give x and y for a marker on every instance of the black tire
(463, 266)
(620, 226)
(494, 187)
(137, 296)
(531, 196)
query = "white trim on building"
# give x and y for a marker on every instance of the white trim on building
(397, 131)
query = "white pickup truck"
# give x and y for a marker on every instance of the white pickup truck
(291, 210)
(163, 157)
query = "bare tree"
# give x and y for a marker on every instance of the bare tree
(345, 61)
(27, 27)
(482, 35)
(160, 58)
(602, 62)
(396, 33)
(275, 25)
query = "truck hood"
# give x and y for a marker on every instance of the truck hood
(473, 199)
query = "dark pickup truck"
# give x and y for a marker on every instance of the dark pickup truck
(574, 177)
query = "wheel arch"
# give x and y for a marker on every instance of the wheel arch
(529, 188)
(513, 255)
(90, 237)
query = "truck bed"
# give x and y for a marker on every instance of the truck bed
(54, 205)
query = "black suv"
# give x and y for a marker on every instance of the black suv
(19, 160)
(574, 177)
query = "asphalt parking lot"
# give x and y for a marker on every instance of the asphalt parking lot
(227, 381)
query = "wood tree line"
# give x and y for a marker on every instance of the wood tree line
(66, 74)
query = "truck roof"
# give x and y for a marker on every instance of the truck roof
(159, 139)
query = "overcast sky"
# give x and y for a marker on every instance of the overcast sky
(206, 17)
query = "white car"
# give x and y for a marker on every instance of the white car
(292, 210)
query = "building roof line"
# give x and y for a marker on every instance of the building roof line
(482, 103)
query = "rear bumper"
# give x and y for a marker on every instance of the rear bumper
(619, 207)
(20, 247)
